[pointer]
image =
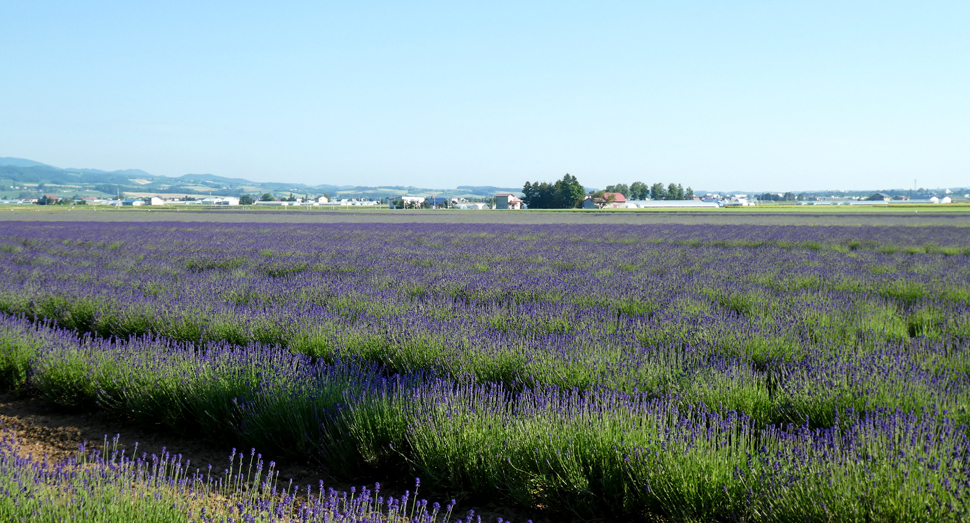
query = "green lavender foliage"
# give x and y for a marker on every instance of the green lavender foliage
(555, 368)
(107, 486)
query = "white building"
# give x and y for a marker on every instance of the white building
(739, 200)
(646, 204)
(219, 200)
(408, 201)
(507, 200)
(412, 200)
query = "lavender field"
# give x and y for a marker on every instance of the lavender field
(683, 372)
(107, 485)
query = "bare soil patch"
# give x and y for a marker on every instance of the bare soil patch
(56, 433)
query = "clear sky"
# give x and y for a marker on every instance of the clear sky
(717, 95)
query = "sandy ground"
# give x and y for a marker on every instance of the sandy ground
(57, 433)
(44, 430)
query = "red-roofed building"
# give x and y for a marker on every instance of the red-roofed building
(507, 200)
(614, 200)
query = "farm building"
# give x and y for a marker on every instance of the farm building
(613, 200)
(610, 200)
(646, 204)
(220, 200)
(408, 202)
(437, 201)
(507, 200)
(739, 200)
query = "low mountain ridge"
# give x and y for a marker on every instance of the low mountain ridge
(20, 162)
(20, 174)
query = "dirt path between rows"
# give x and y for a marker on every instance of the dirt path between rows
(57, 433)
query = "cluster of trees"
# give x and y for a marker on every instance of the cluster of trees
(566, 193)
(775, 197)
(634, 191)
(657, 191)
(44, 200)
(246, 199)
(267, 197)
(427, 203)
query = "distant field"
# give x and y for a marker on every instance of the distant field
(586, 369)
(952, 215)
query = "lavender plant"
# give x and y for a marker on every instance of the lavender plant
(107, 485)
(692, 372)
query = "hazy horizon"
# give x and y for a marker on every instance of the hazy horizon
(776, 190)
(712, 95)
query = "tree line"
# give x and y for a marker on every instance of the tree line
(566, 193)
(657, 191)
(775, 197)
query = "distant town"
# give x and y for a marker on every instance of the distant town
(25, 182)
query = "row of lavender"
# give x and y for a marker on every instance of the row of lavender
(102, 485)
(773, 327)
(593, 453)
(834, 330)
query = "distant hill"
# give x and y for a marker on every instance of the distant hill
(488, 190)
(52, 175)
(37, 168)
(28, 175)
(20, 176)
(211, 178)
(135, 173)
(20, 162)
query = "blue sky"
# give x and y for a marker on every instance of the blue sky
(715, 95)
